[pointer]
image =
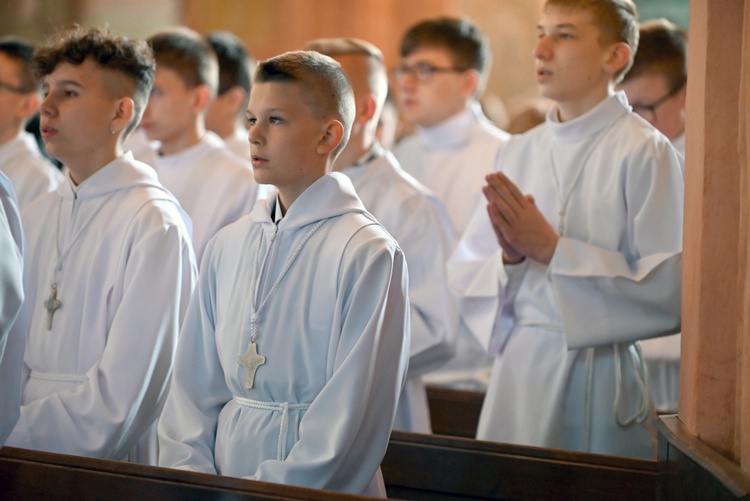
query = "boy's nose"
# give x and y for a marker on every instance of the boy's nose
(541, 49)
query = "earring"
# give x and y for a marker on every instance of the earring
(112, 129)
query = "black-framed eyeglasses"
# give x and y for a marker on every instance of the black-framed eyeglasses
(423, 72)
(13, 88)
(648, 111)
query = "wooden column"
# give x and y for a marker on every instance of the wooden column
(743, 344)
(716, 233)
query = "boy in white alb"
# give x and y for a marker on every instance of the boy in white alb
(444, 63)
(20, 159)
(214, 186)
(296, 344)
(11, 301)
(226, 115)
(109, 261)
(578, 252)
(656, 87)
(410, 212)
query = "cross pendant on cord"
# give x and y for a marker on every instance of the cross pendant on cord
(250, 361)
(52, 305)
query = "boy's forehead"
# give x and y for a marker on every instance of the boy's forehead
(430, 53)
(279, 94)
(579, 17)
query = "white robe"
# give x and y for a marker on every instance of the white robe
(213, 185)
(451, 159)
(11, 302)
(662, 354)
(95, 384)
(614, 279)
(335, 335)
(27, 168)
(418, 222)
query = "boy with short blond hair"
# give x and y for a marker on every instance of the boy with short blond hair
(295, 350)
(577, 254)
(110, 266)
(214, 186)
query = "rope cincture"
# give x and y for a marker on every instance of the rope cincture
(283, 408)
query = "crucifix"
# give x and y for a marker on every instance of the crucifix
(251, 360)
(52, 305)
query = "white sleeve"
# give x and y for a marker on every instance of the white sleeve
(484, 285)
(198, 392)
(345, 432)
(124, 392)
(12, 335)
(607, 296)
(426, 241)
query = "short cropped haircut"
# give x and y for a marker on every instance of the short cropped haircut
(662, 50)
(466, 44)
(324, 86)
(185, 52)
(377, 77)
(22, 52)
(124, 56)
(617, 21)
(235, 62)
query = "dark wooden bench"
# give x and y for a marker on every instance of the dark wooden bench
(454, 412)
(31, 475)
(690, 469)
(450, 468)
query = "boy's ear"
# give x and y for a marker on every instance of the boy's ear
(471, 82)
(617, 57)
(29, 106)
(235, 97)
(123, 113)
(201, 98)
(333, 133)
(367, 109)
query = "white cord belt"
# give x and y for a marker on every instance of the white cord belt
(58, 378)
(283, 408)
(637, 365)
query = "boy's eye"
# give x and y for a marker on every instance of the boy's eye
(251, 120)
(70, 93)
(275, 120)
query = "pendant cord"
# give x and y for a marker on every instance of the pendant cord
(254, 279)
(565, 200)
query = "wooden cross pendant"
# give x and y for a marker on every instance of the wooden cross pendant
(250, 360)
(52, 305)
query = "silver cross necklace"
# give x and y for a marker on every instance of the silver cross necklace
(251, 360)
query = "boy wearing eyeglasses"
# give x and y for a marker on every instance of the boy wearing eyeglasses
(20, 158)
(443, 68)
(577, 254)
(656, 85)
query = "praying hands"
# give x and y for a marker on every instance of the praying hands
(521, 229)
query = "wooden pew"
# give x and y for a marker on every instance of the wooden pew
(447, 468)
(31, 475)
(690, 469)
(454, 412)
